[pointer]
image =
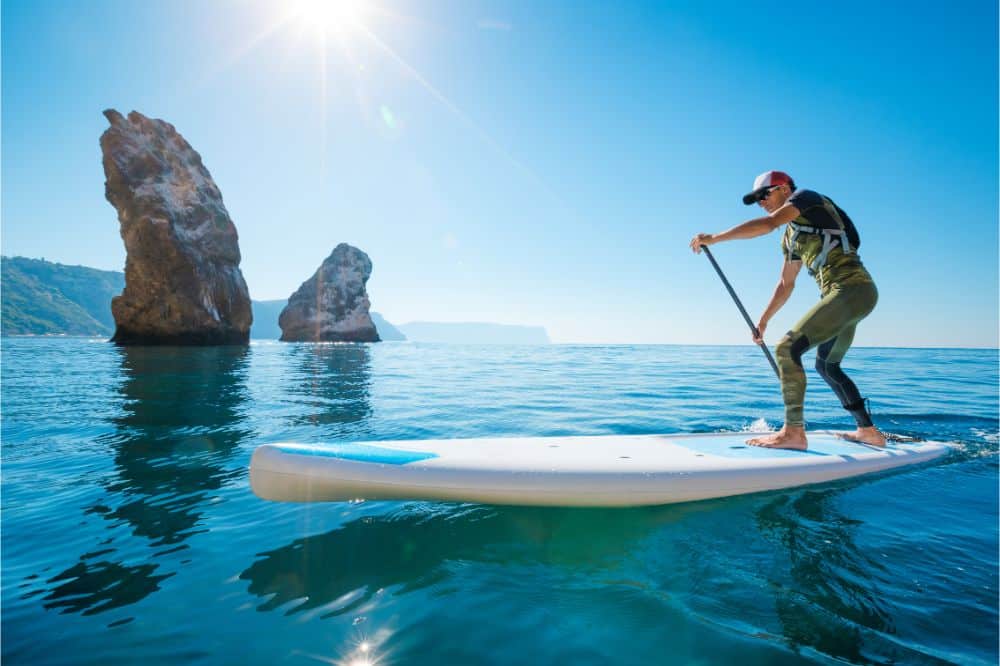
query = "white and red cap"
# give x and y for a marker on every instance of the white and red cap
(767, 180)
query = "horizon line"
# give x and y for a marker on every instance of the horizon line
(506, 344)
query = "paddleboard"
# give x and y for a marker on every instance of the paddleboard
(606, 470)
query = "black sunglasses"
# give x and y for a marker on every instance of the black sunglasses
(765, 193)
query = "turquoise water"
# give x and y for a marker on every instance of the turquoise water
(130, 534)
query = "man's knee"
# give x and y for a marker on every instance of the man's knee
(826, 369)
(791, 347)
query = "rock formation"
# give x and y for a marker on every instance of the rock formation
(183, 283)
(332, 305)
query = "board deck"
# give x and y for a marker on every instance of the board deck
(604, 470)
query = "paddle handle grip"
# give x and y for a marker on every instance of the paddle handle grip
(743, 311)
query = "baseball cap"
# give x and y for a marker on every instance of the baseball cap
(766, 180)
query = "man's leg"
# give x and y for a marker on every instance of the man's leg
(828, 358)
(788, 356)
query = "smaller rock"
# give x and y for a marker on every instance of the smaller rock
(332, 305)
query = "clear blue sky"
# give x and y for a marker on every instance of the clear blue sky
(534, 163)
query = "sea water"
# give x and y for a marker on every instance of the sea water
(130, 534)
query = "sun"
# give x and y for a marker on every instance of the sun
(329, 15)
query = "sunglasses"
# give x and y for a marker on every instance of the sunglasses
(763, 194)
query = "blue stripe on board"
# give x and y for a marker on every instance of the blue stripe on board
(359, 452)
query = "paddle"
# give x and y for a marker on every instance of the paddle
(746, 317)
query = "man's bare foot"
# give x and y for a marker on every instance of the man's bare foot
(870, 436)
(786, 438)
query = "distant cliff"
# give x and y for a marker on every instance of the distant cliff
(265, 319)
(41, 297)
(474, 333)
(387, 331)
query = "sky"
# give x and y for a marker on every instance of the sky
(530, 163)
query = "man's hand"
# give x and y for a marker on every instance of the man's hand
(761, 327)
(699, 240)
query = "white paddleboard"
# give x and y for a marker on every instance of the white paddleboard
(607, 470)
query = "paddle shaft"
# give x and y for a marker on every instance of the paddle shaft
(743, 311)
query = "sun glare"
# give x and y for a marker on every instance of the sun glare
(326, 15)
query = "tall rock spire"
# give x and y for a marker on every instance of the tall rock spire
(183, 283)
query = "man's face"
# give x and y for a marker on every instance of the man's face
(774, 198)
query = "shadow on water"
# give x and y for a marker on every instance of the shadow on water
(180, 426)
(332, 383)
(826, 593)
(414, 548)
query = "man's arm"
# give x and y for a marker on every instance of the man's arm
(749, 229)
(789, 271)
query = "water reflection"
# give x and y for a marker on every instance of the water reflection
(832, 599)
(332, 382)
(95, 588)
(179, 427)
(412, 549)
(825, 587)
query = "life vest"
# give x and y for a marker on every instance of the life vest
(845, 234)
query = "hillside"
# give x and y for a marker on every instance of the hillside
(41, 297)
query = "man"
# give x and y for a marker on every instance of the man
(822, 237)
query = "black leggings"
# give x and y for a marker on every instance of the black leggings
(841, 384)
